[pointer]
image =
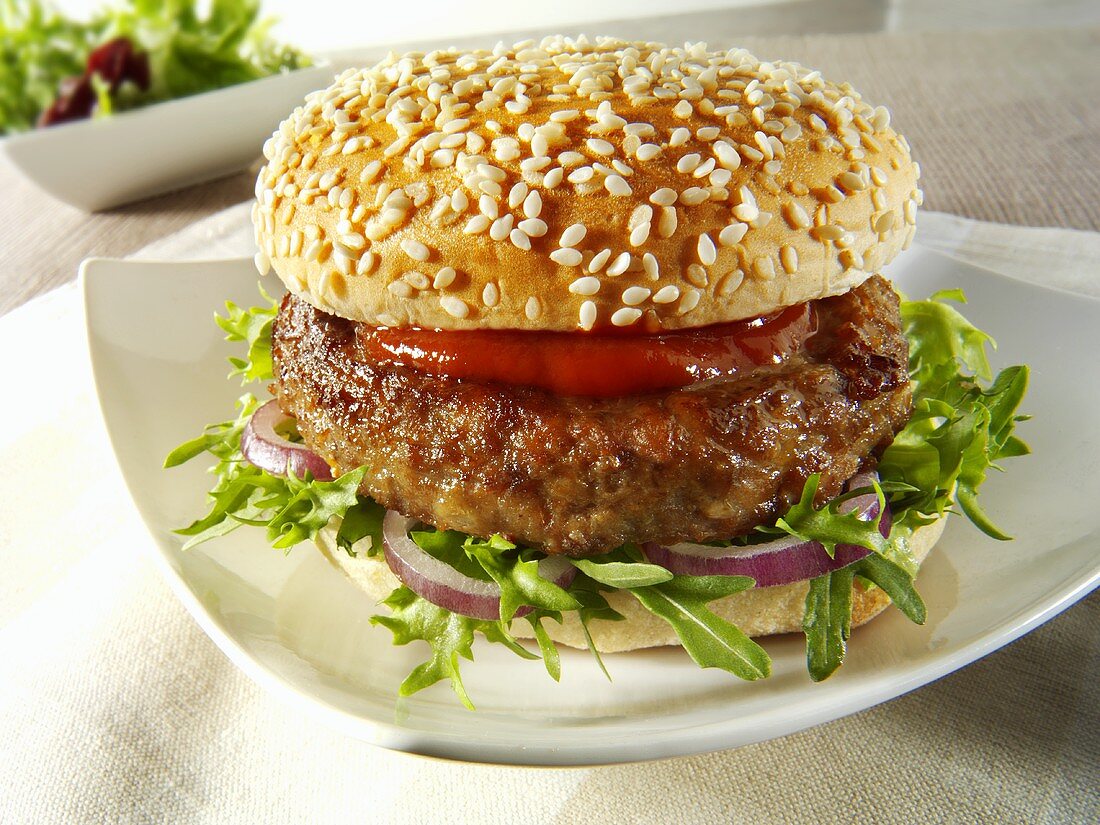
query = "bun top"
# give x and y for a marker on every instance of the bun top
(569, 184)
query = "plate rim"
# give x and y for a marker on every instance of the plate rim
(879, 688)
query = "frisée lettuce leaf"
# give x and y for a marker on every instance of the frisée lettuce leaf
(963, 424)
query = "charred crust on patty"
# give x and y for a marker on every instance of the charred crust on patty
(581, 476)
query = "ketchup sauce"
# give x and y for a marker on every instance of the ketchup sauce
(595, 364)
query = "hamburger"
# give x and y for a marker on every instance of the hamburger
(587, 342)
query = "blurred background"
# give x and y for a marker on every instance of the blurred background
(338, 25)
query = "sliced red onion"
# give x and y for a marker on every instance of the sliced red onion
(785, 560)
(263, 447)
(446, 587)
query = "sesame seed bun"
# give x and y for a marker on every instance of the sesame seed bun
(762, 611)
(569, 184)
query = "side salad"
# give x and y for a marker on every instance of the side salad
(134, 53)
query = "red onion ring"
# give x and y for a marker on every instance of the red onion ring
(445, 587)
(263, 447)
(782, 561)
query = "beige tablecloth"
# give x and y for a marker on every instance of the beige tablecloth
(115, 707)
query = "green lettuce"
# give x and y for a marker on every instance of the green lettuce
(962, 425)
(188, 53)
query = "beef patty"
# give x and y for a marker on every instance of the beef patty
(581, 476)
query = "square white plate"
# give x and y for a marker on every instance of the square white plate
(294, 625)
(104, 162)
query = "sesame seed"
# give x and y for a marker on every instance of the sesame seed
(400, 289)
(706, 250)
(647, 151)
(516, 194)
(679, 136)
(531, 165)
(694, 195)
(417, 280)
(459, 201)
(501, 228)
(568, 159)
(532, 205)
(617, 185)
(688, 162)
(532, 309)
(535, 227)
(732, 234)
(639, 235)
(573, 235)
(587, 315)
(851, 181)
(728, 285)
(476, 225)
(564, 115)
(666, 294)
(827, 232)
(625, 316)
(588, 285)
(263, 263)
(764, 268)
(553, 178)
(666, 224)
(619, 265)
(444, 277)
(707, 133)
(365, 264)
(520, 239)
(567, 256)
(598, 260)
(910, 211)
(884, 222)
(414, 249)
(490, 295)
(454, 306)
(581, 175)
(664, 196)
(683, 109)
(689, 301)
(788, 257)
(599, 146)
(705, 168)
(696, 274)
(850, 259)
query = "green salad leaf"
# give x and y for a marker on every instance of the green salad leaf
(963, 423)
(188, 52)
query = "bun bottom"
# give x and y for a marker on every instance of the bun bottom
(758, 612)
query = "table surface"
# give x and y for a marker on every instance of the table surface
(996, 101)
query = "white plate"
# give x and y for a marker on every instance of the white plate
(295, 626)
(105, 162)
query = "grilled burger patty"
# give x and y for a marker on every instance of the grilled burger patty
(581, 476)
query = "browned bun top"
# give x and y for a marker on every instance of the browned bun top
(569, 184)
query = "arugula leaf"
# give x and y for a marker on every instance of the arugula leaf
(549, 650)
(827, 622)
(449, 634)
(829, 526)
(709, 639)
(958, 430)
(518, 578)
(896, 582)
(253, 327)
(621, 574)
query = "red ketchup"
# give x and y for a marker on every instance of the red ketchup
(596, 364)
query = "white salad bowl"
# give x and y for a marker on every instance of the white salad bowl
(104, 162)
